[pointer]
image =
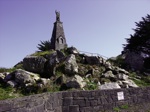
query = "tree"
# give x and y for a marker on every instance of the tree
(139, 42)
(44, 45)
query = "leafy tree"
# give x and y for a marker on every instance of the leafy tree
(44, 45)
(139, 42)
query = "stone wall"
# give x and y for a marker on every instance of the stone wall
(46, 102)
(77, 101)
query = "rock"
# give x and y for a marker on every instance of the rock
(10, 76)
(92, 60)
(110, 85)
(71, 66)
(45, 81)
(61, 80)
(120, 70)
(6, 73)
(34, 64)
(23, 77)
(129, 83)
(12, 83)
(94, 72)
(108, 65)
(122, 76)
(108, 74)
(76, 82)
(54, 59)
(88, 75)
(102, 60)
(2, 76)
(72, 50)
(82, 71)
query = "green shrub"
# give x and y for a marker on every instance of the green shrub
(119, 61)
(90, 85)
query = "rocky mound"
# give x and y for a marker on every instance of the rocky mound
(67, 69)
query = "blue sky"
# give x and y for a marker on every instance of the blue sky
(96, 26)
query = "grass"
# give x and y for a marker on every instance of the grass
(122, 107)
(20, 66)
(7, 69)
(144, 81)
(6, 92)
(42, 53)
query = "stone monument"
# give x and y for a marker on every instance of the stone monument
(58, 40)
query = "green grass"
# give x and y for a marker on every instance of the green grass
(19, 66)
(144, 81)
(42, 53)
(6, 92)
(122, 107)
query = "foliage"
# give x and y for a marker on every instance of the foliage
(6, 92)
(140, 41)
(118, 109)
(6, 69)
(44, 45)
(91, 85)
(118, 61)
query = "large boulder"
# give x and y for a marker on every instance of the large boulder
(109, 74)
(72, 50)
(129, 83)
(34, 64)
(55, 58)
(76, 82)
(23, 77)
(92, 60)
(71, 66)
(110, 85)
(122, 76)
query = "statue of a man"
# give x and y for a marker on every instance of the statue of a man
(57, 15)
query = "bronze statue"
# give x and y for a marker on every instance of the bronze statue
(57, 15)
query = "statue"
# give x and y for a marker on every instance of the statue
(57, 15)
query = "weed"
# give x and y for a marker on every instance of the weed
(116, 109)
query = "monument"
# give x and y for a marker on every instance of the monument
(58, 40)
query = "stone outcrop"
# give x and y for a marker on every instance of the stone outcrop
(92, 60)
(68, 69)
(21, 78)
(72, 50)
(75, 82)
(34, 64)
(71, 66)
(111, 85)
